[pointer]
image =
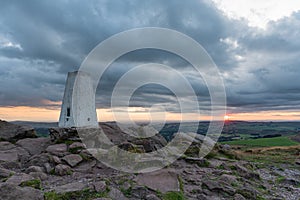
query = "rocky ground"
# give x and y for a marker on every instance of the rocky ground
(61, 168)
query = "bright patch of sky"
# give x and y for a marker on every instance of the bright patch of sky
(257, 12)
(4, 42)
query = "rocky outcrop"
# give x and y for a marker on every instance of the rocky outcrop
(12, 156)
(72, 159)
(164, 180)
(5, 173)
(71, 187)
(12, 132)
(19, 178)
(61, 134)
(62, 170)
(57, 149)
(115, 193)
(12, 192)
(34, 146)
(65, 169)
(114, 135)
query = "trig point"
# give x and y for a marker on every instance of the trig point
(78, 107)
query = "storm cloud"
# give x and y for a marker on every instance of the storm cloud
(40, 41)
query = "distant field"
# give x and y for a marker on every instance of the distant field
(264, 142)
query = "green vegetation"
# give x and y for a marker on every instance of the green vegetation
(203, 163)
(173, 196)
(272, 157)
(280, 179)
(268, 151)
(260, 198)
(265, 151)
(181, 184)
(75, 150)
(234, 184)
(125, 189)
(67, 142)
(5, 179)
(135, 149)
(52, 171)
(69, 172)
(235, 129)
(127, 192)
(84, 156)
(193, 151)
(264, 142)
(211, 155)
(35, 183)
(228, 154)
(246, 193)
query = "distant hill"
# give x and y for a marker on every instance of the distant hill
(37, 124)
(233, 130)
(41, 128)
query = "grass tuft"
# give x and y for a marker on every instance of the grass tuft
(35, 183)
(173, 196)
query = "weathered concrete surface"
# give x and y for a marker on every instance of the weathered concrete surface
(78, 102)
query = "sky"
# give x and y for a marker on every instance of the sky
(254, 43)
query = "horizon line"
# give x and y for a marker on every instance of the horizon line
(171, 121)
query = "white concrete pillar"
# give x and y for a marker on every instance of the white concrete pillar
(78, 107)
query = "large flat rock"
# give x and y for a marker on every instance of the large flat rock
(57, 149)
(12, 192)
(6, 146)
(9, 156)
(19, 178)
(34, 145)
(85, 167)
(17, 154)
(72, 159)
(62, 170)
(71, 187)
(164, 180)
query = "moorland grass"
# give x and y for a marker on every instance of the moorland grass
(264, 142)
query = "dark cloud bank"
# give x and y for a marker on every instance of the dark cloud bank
(40, 41)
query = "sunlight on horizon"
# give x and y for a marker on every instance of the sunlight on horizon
(43, 114)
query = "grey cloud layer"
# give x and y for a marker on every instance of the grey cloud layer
(40, 41)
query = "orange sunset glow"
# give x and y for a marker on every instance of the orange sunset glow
(226, 117)
(25, 113)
